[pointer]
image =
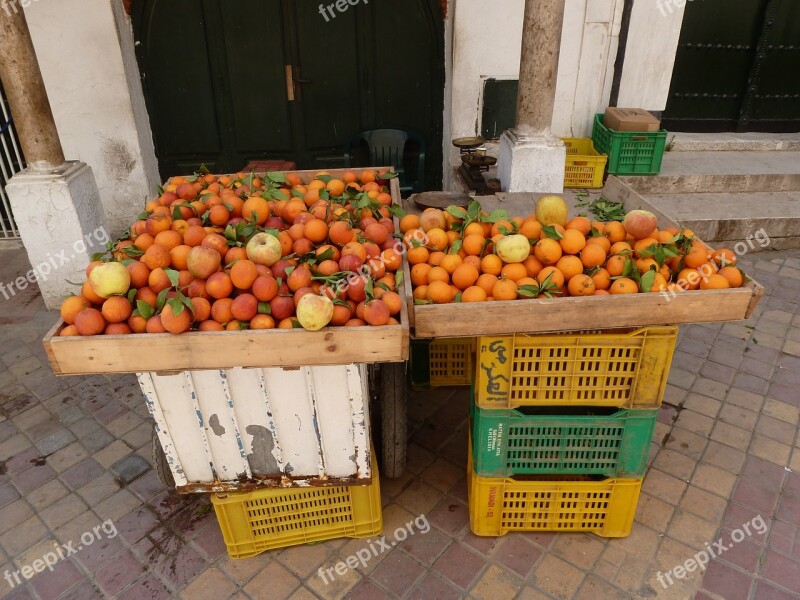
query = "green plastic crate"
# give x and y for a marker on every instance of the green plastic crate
(629, 152)
(563, 440)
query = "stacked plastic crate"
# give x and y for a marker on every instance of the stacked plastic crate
(561, 427)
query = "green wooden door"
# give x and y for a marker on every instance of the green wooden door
(736, 65)
(215, 79)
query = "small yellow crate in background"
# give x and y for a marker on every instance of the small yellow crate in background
(625, 368)
(442, 362)
(563, 503)
(269, 518)
(585, 165)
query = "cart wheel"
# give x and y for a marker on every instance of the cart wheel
(392, 393)
(160, 463)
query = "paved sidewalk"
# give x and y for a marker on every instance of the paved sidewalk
(726, 451)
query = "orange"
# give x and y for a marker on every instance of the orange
(409, 222)
(145, 240)
(504, 289)
(243, 274)
(599, 226)
(572, 242)
(474, 229)
(556, 276)
(421, 292)
(179, 256)
(733, 275)
(640, 246)
(473, 243)
(256, 208)
(438, 274)
(581, 285)
(615, 232)
(688, 279)
(486, 281)
(570, 266)
(556, 226)
(391, 260)
(474, 261)
(514, 271)
(623, 285)
(532, 265)
(582, 224)
(664, 237)
(435, 258)
(531, 229)
(696, 256)
(616, 265)
(316, 230)
(437, 238)
(439, 292)
(341, 233)
(465, 276)
(335, 187)
(491, 263)
(714, 282)
(645, 264)
(473, 294)
(593, 255)
(620, 248)
(419, 274)
(169, 239)
(157, 256)
(418, 255)
(71, 307)
(602, 279)
(504, 227)
(600, 241)
(547, 251)
(723, 257)
(193, 236)
(450, 262)
(116, 309)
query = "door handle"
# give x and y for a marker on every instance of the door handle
(296, 77)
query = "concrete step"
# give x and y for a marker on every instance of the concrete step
(683, 172)
(762, 220)
(738, 142)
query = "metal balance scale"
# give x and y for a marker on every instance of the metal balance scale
(475, 163)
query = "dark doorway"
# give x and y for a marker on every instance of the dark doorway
(736, 67)
(230, 81)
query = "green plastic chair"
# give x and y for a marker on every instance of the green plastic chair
(387, 147)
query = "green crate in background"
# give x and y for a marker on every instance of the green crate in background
(629, 152)
(561, 440)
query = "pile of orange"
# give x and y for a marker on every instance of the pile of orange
(584, 258)
(329, 228)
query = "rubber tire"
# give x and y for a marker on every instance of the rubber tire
(392, 393)
(160, 463)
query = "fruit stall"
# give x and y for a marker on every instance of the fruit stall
(264, 312)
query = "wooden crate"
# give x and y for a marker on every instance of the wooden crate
(291, 348)
(579, 314)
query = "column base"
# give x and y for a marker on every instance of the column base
(531, 163)
(61, 222)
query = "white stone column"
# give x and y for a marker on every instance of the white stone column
(56, 204)
(531, 157)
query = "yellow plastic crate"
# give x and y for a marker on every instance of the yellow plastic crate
(442, 362)
(451, 361)
(625, 368)
(561, 503)
(254, 522)
(585, 165)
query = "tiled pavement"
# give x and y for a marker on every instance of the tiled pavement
(726, 450)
